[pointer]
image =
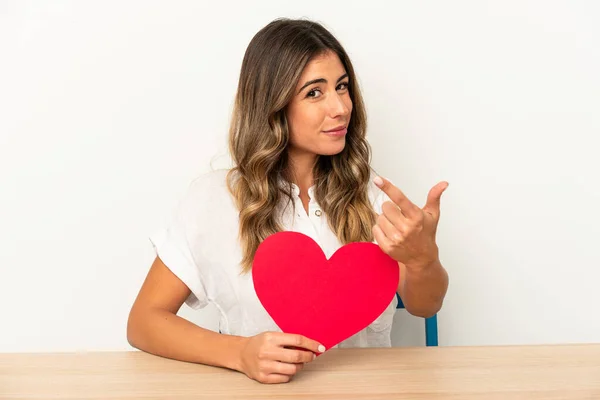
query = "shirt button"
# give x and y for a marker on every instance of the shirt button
(318, 213)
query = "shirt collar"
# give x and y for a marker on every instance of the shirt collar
(296, 190)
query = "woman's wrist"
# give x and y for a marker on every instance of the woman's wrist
(235, 349)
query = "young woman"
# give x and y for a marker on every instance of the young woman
(301, 163)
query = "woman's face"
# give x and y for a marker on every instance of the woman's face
(320, 110)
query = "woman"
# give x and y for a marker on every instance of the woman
(301, 163)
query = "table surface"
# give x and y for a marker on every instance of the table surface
(498, 372)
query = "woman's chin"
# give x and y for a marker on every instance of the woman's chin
(333, 148)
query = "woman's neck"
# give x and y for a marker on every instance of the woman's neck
(301, 170)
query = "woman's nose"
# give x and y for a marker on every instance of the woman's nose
(337, 106)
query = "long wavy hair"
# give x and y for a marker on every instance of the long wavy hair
(259, 136)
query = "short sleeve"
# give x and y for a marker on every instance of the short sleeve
(173, 245)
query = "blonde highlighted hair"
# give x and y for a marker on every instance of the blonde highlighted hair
(259, 135)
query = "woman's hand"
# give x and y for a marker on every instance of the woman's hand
(406, 232)
(275, 357)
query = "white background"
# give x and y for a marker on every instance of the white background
(109, 109)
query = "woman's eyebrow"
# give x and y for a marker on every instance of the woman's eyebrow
(320, 80)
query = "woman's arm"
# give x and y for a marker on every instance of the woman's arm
(407, 233)
(154, 327)
(423, 288)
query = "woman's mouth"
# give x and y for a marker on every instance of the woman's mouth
(337, 132)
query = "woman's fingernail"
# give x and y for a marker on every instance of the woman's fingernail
(314, 356)
(321, 348)
(378, 181)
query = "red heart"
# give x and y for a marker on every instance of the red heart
(325, 300)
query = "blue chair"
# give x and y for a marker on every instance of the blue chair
(431, 329)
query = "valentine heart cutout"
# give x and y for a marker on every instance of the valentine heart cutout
(325, 300)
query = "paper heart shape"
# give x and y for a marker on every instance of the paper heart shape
(324, 300)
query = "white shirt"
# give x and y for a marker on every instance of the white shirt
(201, 248)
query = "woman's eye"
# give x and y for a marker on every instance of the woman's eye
(343, 86)
(312, 93)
